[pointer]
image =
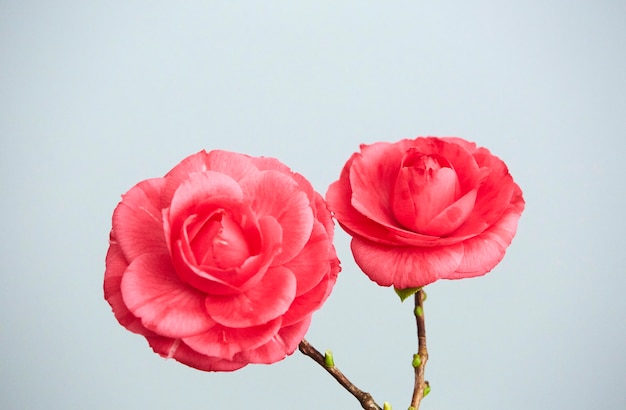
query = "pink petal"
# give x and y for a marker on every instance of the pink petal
(322, 214)
(279, 346)
(224, 342)
(452, 216)
(137, 220)
(178, 350)
(202, 191)
(268, 300)
(493, 196)
(405, 267)
(167, 306)
(237, 166)
(483, 252)
(228, 163)
(278, 195)
(422, 191)
(116, 265)
(312, 264)
(307, 303)
(372, 177)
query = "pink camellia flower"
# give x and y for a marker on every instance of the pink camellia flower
(222, 262)
(426, 209)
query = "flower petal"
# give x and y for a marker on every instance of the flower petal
(278, 195)
(483, 252)
(405, 267)
(307, 303)
(165, 304)
(279, 346)
(268, 300)
(228, 163)
(116, 265)
(137, 220)
(225, 342)
(312, 264)
(178, 350)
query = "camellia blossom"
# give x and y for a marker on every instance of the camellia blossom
(222, 262)
(426, 209)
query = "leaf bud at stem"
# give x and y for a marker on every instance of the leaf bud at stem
(329, 361)
(426, 389)
(417, 360)
(386, 406)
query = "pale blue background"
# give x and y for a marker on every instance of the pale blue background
(95, 96)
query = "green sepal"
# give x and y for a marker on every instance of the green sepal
(329, 361)
(406, 293)
(386, 406)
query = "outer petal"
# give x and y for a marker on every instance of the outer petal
(258, 305)
(137, 220)
(492, 198)
(405, 267)
(229, 163)
(278, 347)
(484, 252)
(225, 342)
(167, 306)
(116, 265)
(177, 349)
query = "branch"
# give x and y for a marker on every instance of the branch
(366, 399)
(421, 387)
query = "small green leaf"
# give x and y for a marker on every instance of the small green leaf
(426, 390)
(386, 406)
(406, 293)
(411, 408)
(417, 360)
(329, 361)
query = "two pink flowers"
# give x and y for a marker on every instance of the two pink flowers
(223, 261)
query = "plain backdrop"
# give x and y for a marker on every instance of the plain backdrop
(96, 96)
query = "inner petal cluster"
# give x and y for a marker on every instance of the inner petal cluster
(426, 184)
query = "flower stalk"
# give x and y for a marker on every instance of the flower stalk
(366, 399)
(421, 387)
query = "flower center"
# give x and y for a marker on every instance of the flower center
(425, 185)
(218, 241)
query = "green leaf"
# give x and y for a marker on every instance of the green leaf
(406, 293)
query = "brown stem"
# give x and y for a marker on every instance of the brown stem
(422, 352)
(366, 399)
